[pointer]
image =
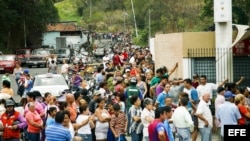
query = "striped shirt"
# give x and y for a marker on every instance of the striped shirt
(56, 132)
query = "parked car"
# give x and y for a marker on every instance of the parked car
(99, 51)
(52, 83)
(22, 55)
(64, 53)
(39, 57)
(7, 63)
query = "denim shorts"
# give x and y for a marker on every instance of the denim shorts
(85, 137)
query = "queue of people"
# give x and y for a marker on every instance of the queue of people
(130, 100)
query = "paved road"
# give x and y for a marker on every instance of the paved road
(33, 71)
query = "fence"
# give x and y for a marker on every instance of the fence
(203, 62)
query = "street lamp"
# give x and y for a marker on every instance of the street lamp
(136, 32)
(126, 14)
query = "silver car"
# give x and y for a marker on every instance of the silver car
(52, 83)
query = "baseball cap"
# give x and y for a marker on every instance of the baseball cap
(97, 93)
(220, 89)
(133, 80)
(127, 70)
(26, 71)
(228, 94)
(248, 88)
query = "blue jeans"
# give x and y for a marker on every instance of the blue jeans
(146, 138)
(184, 134)
(121, 138)
(206, 133)
(13, 139)
(85, 137)
(34, 136)
(136, 137)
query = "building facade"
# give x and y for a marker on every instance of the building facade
(195, 52)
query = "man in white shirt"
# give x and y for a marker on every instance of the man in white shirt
(105, 60)
(205, 87)
(102, 89)
(183, 120)
(205, 121)
(64, 68)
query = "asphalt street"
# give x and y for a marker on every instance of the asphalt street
(33, 71)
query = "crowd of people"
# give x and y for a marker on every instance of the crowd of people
(132, 99)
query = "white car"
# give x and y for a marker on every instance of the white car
(99, 51)
(52, 83)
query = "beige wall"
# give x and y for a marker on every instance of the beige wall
(172, 48)
(199, 41)
(168, 51)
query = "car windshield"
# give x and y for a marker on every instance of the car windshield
(40, 52)
(49, 81)
(7, 58)
(61, 51)
(18, 52)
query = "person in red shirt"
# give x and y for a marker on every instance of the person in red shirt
(125, 55)
(116, 60)
(244, 111)
(156, 129)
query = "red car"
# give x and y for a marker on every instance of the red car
(7, 63)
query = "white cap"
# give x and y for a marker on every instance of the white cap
(248, 89)
(127, 70)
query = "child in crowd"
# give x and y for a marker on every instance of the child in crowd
(51, 118)
(118, 123)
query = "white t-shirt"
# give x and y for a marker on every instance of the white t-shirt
(145, 113)
(86, 128)
(207, 88)
(132, 60)
(64, 68)
(204, 110)
(103, 92)
(105, 59)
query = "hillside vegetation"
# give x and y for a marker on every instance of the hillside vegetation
(23, 22)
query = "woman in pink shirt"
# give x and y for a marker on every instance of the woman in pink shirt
(35, 123)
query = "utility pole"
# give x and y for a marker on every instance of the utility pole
(136, 31)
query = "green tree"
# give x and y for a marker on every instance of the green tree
(24, 18)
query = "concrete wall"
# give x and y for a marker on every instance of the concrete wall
(172, 48)
(199, 40)
(168, 51)
(49, 38)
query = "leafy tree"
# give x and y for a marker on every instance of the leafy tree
(24, 18)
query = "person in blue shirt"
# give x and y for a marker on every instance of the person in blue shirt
(160, 100)
(56, 131)
(168, 111)
(192, 104)
(51, 116)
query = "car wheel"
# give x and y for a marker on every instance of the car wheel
(38, 66)
(29, 66)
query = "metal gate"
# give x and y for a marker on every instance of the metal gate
(203, 62)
